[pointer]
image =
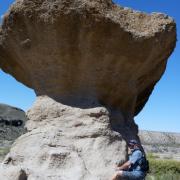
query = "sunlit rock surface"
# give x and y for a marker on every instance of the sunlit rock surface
(85, 55)
(65, 143)
(86, 49)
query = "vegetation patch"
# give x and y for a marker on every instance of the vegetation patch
(163, 169)
(163, 177)
(4, 151)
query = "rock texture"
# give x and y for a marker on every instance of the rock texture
(93, 66)
(65, 143)
(80, 50)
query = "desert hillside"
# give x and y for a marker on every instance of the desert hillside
(162, 144)
(12, 122)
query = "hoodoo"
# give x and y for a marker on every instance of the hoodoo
(93, 66)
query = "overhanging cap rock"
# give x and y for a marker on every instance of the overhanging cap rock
(79, 50)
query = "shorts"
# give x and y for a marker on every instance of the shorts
(133, 175)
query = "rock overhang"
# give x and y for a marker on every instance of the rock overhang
(86, 51)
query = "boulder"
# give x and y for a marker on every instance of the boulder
(93, 65)
(65, 142)
(76, 51)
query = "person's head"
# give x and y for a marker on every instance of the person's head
(133, 144)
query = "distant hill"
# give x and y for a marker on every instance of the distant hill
(12, 122)
(163, 144)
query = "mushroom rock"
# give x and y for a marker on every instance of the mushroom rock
(93, 66)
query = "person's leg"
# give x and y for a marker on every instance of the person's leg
(117, 176)
(128, 175)
(132, 175)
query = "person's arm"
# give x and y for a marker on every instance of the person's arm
(124, 166)
(134, 157)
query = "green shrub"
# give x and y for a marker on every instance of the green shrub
(163, 169)
(4, 151)
(164, 177)
(152, 156)
(160, 167)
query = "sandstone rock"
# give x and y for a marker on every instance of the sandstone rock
(72, 143)
(93, 66)
(14, 173)
(78, 50)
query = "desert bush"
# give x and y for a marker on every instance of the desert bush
(163, 177)
(152, 156)
(4, 150)
(163, 169)
(160, 167)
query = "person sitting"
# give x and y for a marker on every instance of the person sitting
(133, 168)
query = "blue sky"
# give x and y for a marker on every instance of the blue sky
(161, 113)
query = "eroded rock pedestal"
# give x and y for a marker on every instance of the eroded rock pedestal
(65, 142)
(93, 66)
